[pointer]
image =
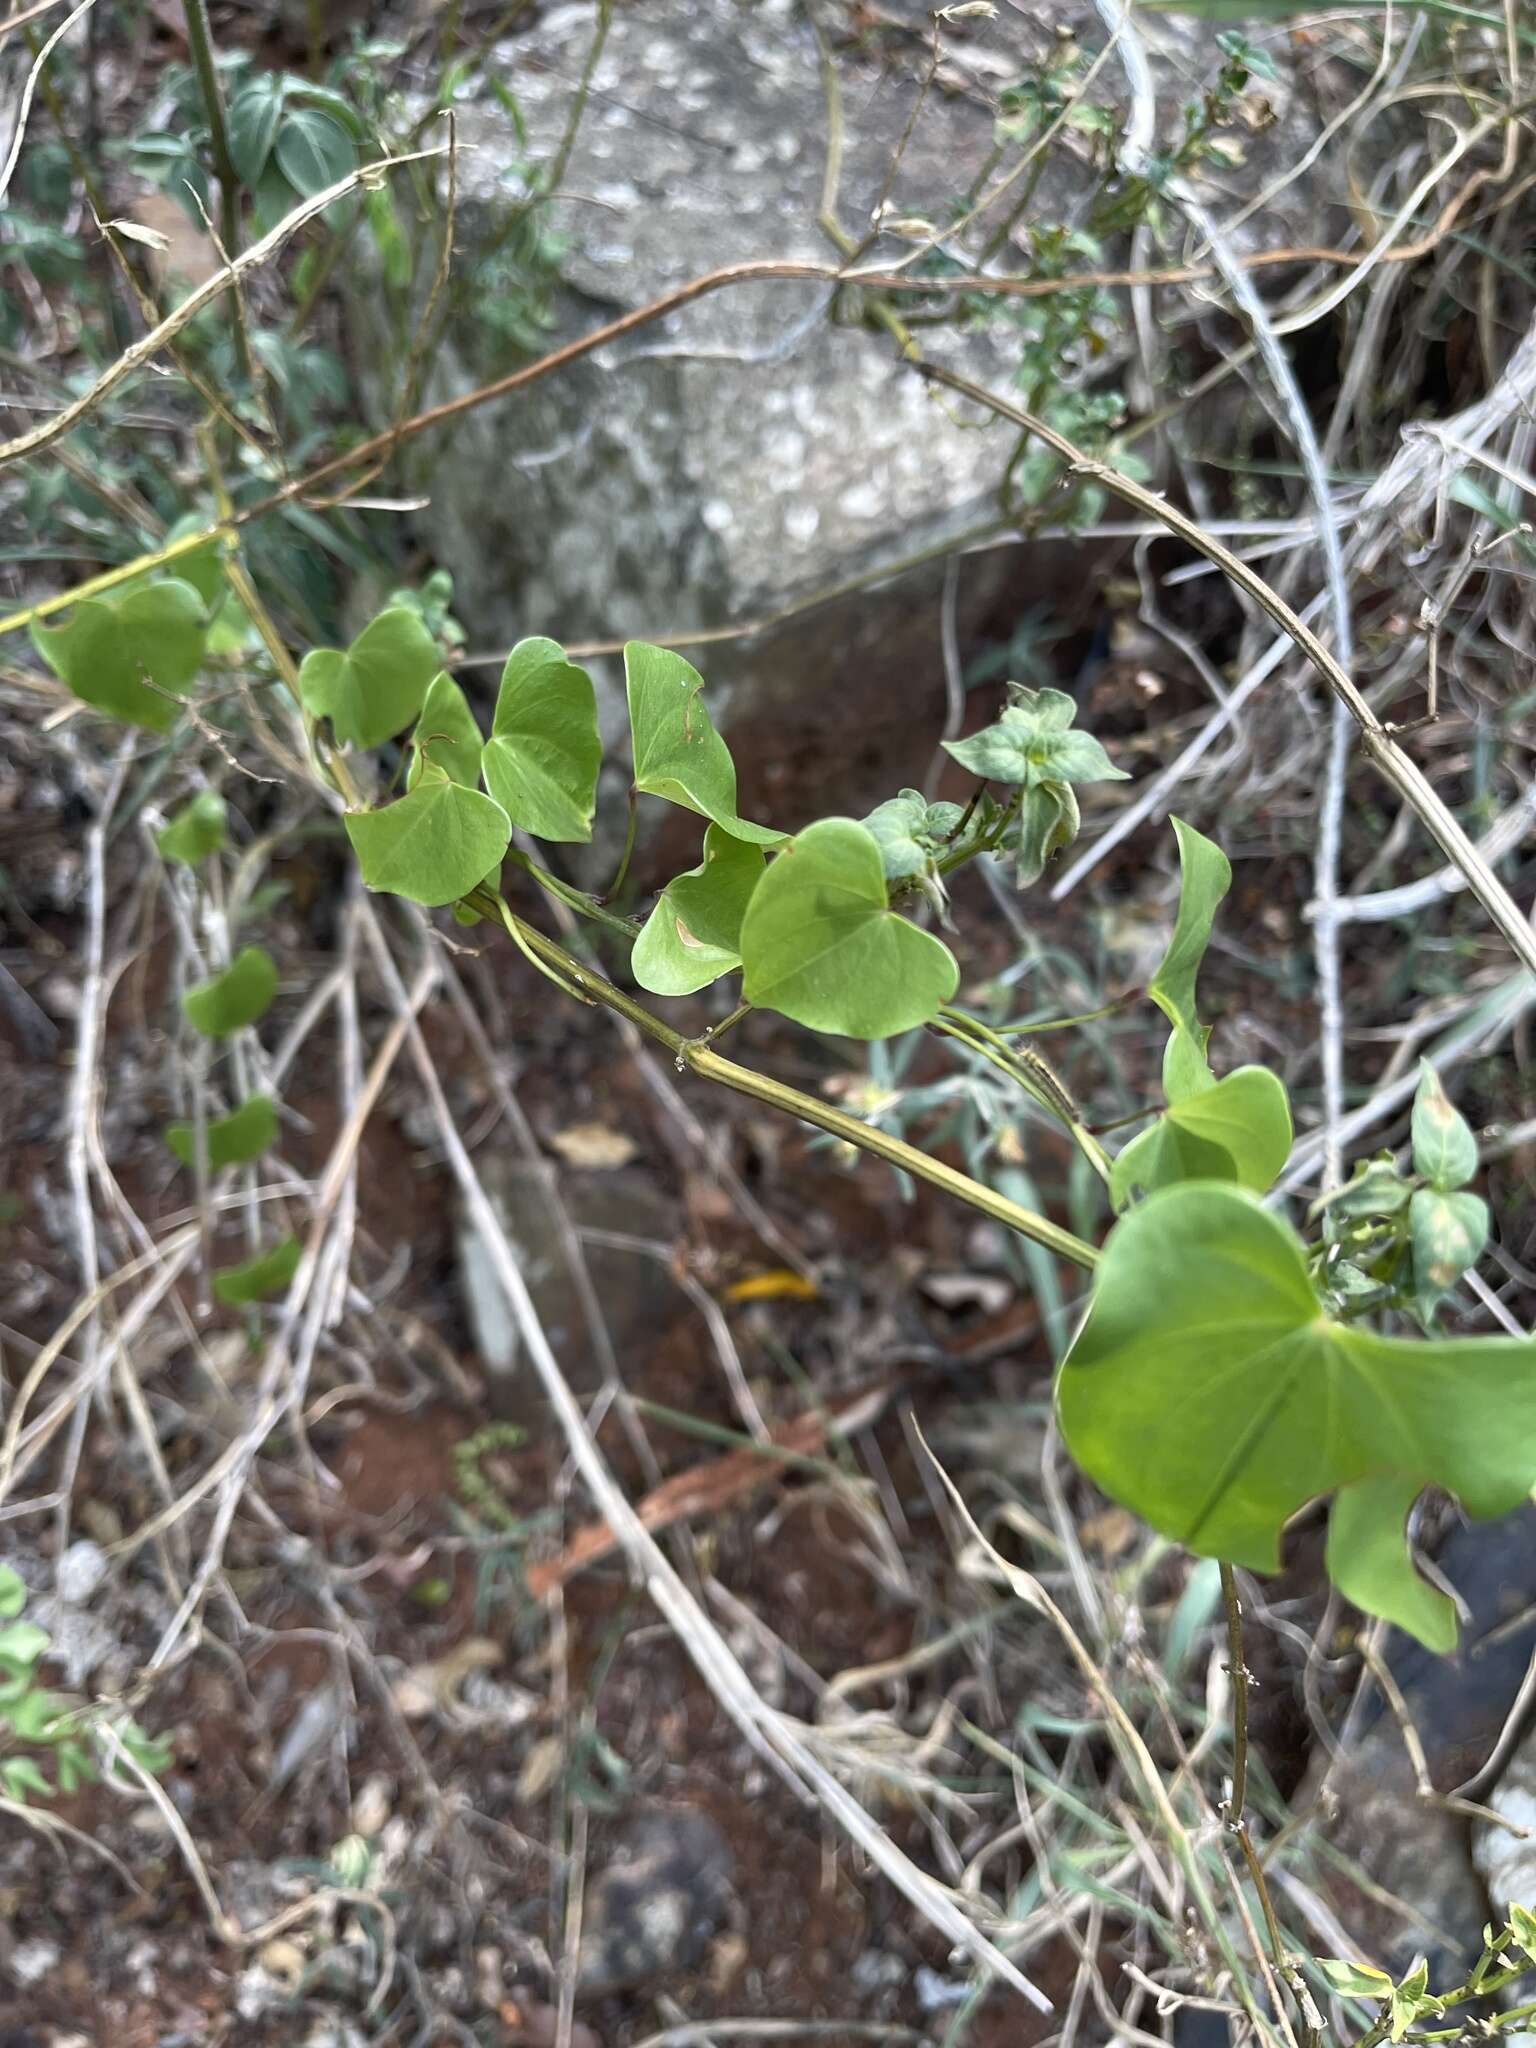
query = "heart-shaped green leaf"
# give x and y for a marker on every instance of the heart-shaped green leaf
(544, 752)
(231, 1140)
(110, 652)
(196, 830)
(229, 1001)
(1370, 1563)
(1444, 1149)
(693, 936)
(678, 753)
(1237, 1129)
(434, 844)
(1209, 1392)
(447, 735)
(256, 1279)
(312, 150)
(819, 942)
(376, 687)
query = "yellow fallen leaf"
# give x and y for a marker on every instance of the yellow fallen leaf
(595, 1146)
(779, 1283)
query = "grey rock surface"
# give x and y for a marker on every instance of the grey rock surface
(654, 1907)
(758, 444)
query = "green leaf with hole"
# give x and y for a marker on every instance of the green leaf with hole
(313, 150)
(231, 1140)
(544, 752)
(1205, 875)
(131, 656)
(1444, 1149)
(693, 936)
(229, 1001)
(1447, 1233)
(678, 754)
(432, 845)
(820, 944)
(1208, 1391)
(374, 688)
(197, 829)
(447, 734)
(1238, 1129)
(1370, 1562)
(252, 124)
(257, 1279)
(1034, 741)
(911, 833)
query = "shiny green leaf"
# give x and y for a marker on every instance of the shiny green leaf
(1370, 1562)
(1238, 1129)
(227, 1002)
(819, 942)
(197, 829)
(231, 1140)
(693, 936)
(256, 1279)
(374, 688)
(1209, 1392)
(447, 735)
(434, 844)
(678, 754)
(131, 656)
(544, 752)
(313, 150)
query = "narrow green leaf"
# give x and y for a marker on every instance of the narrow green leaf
(1370, 1562)
(227, 1002)
(133, 656)
(1238, 1129)
(256, 1279)
(693, 936)
(447, 735)
(374, 688)
(1448, 1233)
(313, 150)
(678, 754)
(819, 942)
(1444, 1149)
(1354, 1980)
(544, 752)
(231, 1140)
(432, 845)
(1205, 875)
(13, 1593)
(1209, 1392)
(197, 829)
